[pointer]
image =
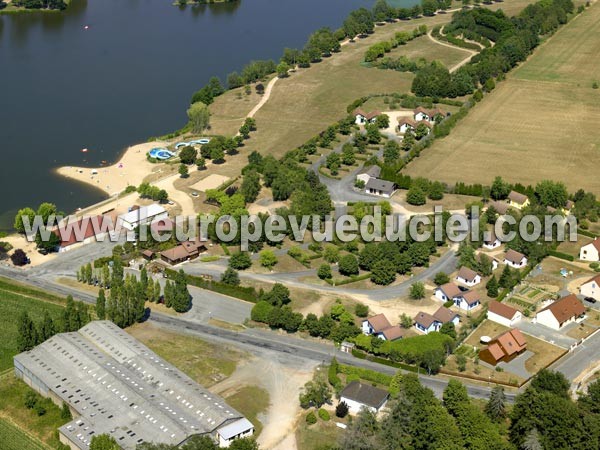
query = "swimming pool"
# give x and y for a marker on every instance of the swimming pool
(160, 153)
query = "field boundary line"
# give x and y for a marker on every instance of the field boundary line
(6, 418)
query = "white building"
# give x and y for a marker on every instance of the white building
(515, 259)
(468, 300)
(239, 429)
(468, 277)
(368, 172)
(358, 395)
(591, 251)
(503, 314)
(380, 188)
(446, 292)
(490, 241)
(591, 288)
(142, 216)
(561, 312)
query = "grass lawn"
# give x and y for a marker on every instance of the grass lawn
(572, 248)
(545, 353)
(545, 111)
(251, 401)
(423, 47)
(204, 362)
(319, 435)
(12, 396)
(449, 202)
(13, 438)
(11, 307)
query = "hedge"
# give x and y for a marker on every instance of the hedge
(248, 294)
(561, 255)
(586, 233)
(350, 279)
(366, 374)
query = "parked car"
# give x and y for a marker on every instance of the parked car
(590, 299)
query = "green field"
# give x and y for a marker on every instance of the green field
(13, 438)
(542, 123)
(11, 306)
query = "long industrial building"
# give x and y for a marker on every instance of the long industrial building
(115, 385)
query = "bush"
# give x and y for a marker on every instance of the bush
(311, 419)
(561, 255)
(261, 311)
(323, 415)
(361, 310)
(341, 410)
(441, 278)
(240, 261)
(39, 409)
(324, 272)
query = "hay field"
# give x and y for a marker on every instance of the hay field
(542, 123)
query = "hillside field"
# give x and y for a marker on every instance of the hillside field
(542, 123)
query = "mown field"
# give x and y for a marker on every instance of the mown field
(424, 47)
(542, 123)
(312, 99)
(11, 306)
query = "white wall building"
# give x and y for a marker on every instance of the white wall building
(142, 216)
(561, 312)
(503, 314)
(591, 288)
(358, 395)
(591, 251)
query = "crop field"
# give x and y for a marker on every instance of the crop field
(539, 124)
(13, 438)
(11, 306)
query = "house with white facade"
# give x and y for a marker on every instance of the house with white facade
(381, 327)
(503, 314)
(361, 117)
(428, 115)
(380, 188)
(468, 300)
(518, 200)
(446, 292)
(490, 241)
(426, 323)
(591, 251)
(143, 215)
(358, 395)
(561, 312)
(468, 277)
(368, 172)
(515, 259)
(591, 288)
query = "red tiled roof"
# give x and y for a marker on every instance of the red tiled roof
(444, 315)
(394, 332)
(450, 289)
(379, 323)
(424, 319)
(508, 312)
(565, 308)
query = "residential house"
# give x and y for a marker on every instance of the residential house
(379, 326)
(406, 124)
(358, 396)
(468, 300)
(566, 210)
(447, 292)
(504, 348)
(515, 259)
(183, 252)
(468, 277)
(380, 188)
(368, 172)
(490, 241)
(142, 216)
(518, 200)
(561, 312)
(591, 288)
(428, 115)
(500, 207)
(503, 314)
(362, 117)
(591, 251)
(75, 233)
(426, 323)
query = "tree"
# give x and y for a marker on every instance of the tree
(341, 410)
(101, 305)
(406, 321)
(505, 278)
(416, 196)
(532, 441)
(492, 287)
(201, 163)
(261, 311)
(103, 442)
(267, 259)
(65, 412)
(181, 299)
(188, 154)
(47, 328)
(496, 407)
(183, 171)
(391, 152)
(282, 69)
(408, 140)
(22, 215)
(361, 310)
(244, 444)
(417, 290)
(421, 131)
(19, 258)
(383, 272)
(199, 117)
(45, 210)
(436, 191)
(315, 394)
(348, 265)
(279, 295)
(240, 261)
(27, 337)
(231, 277)
(324, 272)
(373, 134)
(553, 382)
(331, 253)
(449, 330)
(441, 278)
(551, 193)
(250, 187)
(454, 396)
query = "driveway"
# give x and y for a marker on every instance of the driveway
(544, 333)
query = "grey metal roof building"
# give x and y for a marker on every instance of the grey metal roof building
(115, 385)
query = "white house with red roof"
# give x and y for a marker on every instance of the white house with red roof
(561, 312)
(380, 326)
(468, 277)
(503, 314)
(515, 259)
(591, 251)
(591, 288)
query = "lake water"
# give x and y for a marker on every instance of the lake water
(128, 76)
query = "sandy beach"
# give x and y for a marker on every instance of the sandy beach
(131, 169)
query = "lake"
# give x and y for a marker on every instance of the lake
(126, 77)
